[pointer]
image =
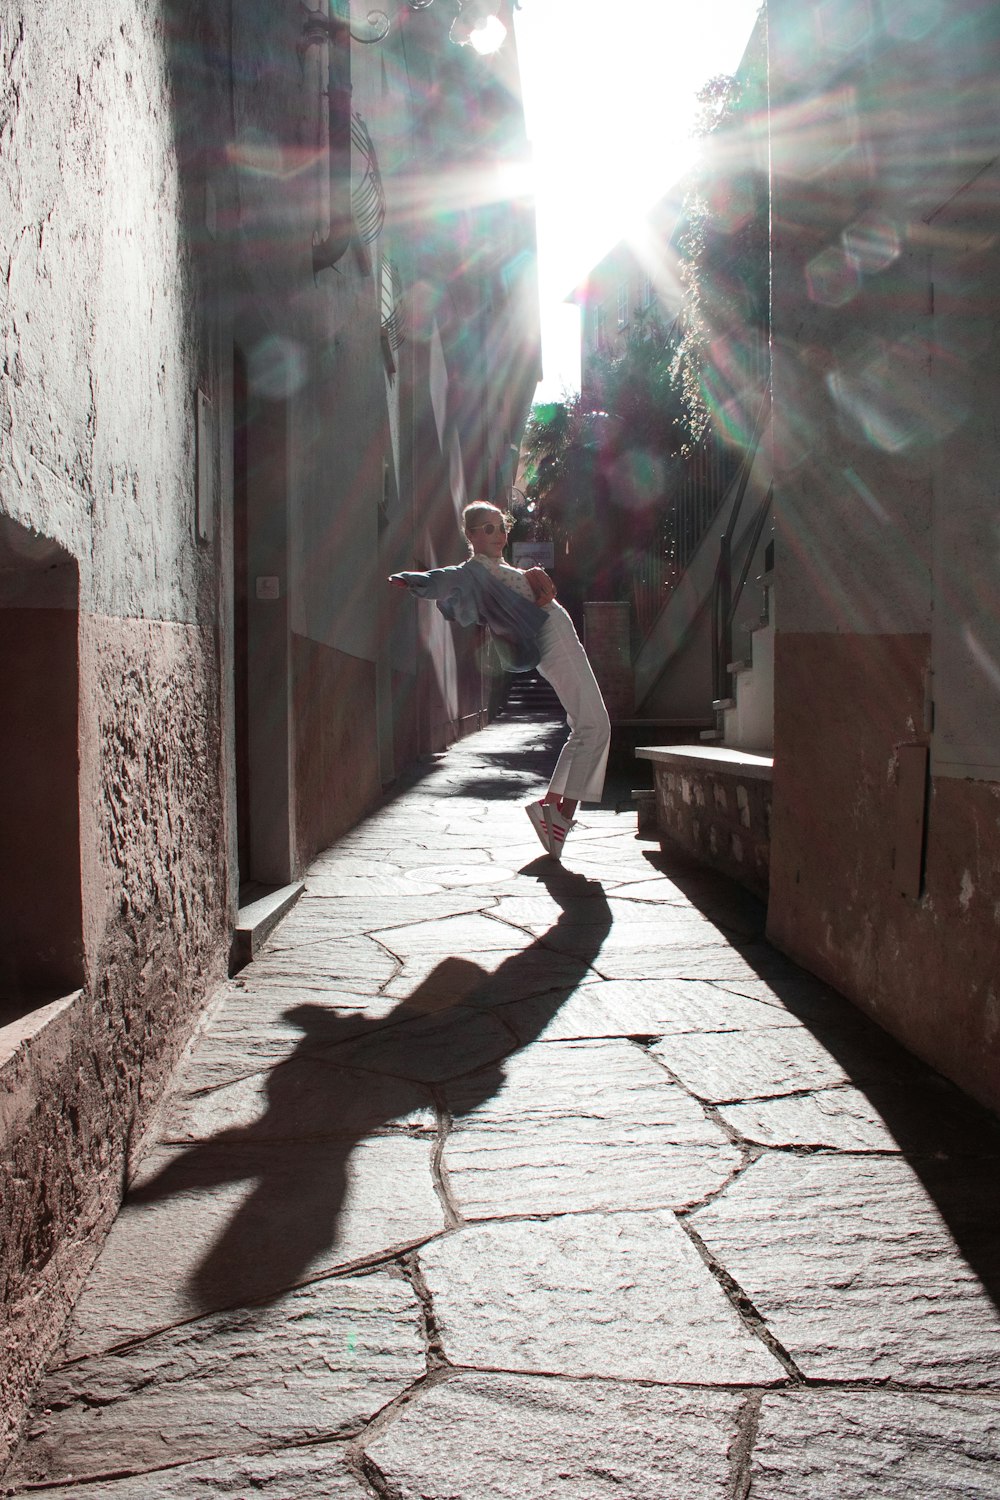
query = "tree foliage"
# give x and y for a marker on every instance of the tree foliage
(601, 474)
(724, 268)
(637, 386)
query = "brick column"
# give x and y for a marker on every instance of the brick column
(607, 638)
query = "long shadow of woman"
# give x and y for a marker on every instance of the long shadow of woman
(350, 1079)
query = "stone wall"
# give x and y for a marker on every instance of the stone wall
(608, 643)
(716, 806)
(101, 358)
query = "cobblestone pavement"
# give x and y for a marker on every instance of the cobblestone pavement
(496, 1179)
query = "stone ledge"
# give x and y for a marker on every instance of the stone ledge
(258, 919)
(19, 1041)
(719, 758)
(714, 803)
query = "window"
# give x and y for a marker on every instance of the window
(622, 304)
(600, 327)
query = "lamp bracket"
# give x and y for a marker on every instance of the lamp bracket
(321, 28)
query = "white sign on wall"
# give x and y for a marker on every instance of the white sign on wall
(533, 554)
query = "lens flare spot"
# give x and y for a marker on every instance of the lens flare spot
(911, 20)
(986, 663)
(870, 499)
(734, 422)
(257, 154)
(791, 440)
(637, 479)
(872, 242)
(423, 301)
(277, 368)
(731, 204)
(844, 25)
(833, 278)
(885, 391)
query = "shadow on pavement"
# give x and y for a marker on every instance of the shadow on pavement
(348, 1079)
(951, 1143)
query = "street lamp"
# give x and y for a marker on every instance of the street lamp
(325, 54)
(477, 24)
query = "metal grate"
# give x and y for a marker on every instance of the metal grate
(368, 196)
(392, 311)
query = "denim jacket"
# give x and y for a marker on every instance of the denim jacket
(468, 594)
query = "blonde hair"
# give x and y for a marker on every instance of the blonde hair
(480, 512)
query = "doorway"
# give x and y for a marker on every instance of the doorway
(261, 662)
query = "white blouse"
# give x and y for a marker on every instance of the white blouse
(514, 578)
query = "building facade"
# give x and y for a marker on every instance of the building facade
(269, 320)
(637, 281)
(885, 860)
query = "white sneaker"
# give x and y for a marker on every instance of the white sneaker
(559, 827)
(536, 812)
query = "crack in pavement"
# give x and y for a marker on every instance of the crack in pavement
(741, 1303)
(741, 1451)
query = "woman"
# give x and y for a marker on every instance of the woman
(531, 630)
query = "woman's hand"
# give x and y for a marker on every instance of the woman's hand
(396, 581)
(542, 586)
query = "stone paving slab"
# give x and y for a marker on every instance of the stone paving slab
(317, 1472)
(314, 1365)
(494, 977)
(468, 935)
(218, 1226)
(268, 1027)
(485, 875)
(305, 1098)
(657, 1007)
(573, 1015)
(539, 910)
(883, 1117)
(859, 1445)
(620, 1296)
(632, 928)
(376, 884)
(790, 989)
(734, 1065)
(856, 1272)
(717, 962)
(450, 1023)
(319, 918)
(652, 890)
(503, 1437)
(577, 1127)
(434, 1048)
(361, 962)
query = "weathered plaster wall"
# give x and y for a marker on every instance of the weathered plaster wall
(101, 355)
(336, 761)
(886, 452)
(925, 966)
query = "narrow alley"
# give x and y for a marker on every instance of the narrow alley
(495, 1178)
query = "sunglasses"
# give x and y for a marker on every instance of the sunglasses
(492, 526)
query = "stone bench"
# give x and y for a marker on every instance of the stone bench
(715, 804)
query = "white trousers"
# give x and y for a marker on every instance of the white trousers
(583, 760)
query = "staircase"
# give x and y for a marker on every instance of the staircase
(531, 696)
(746, 720)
